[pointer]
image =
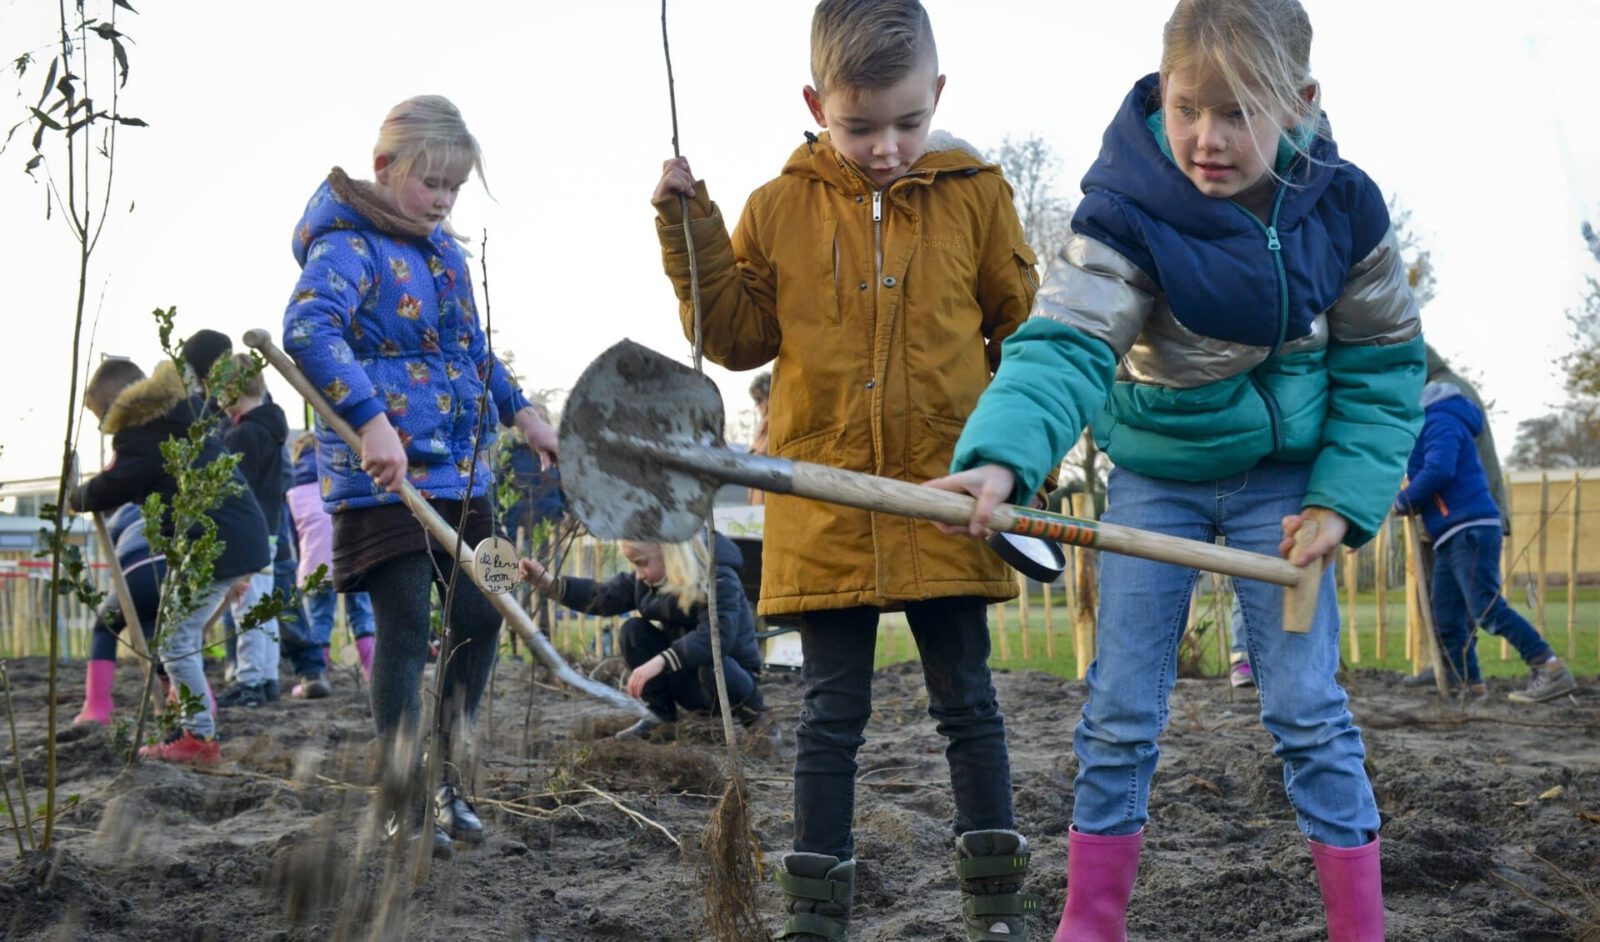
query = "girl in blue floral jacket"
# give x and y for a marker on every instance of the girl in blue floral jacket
(383, 322)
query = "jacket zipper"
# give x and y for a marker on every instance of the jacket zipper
(877, 239)
(1275, 247)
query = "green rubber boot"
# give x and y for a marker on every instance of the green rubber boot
(992, 867)
(817, 890)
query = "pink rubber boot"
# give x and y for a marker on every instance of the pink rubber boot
(364, 652)
(97, 694)
(1100, 872)
(1352, 891)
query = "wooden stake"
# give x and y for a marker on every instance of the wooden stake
(1049, 626)
(1508, 557)
(1352, 625)
(1544, 541)
(1572, 566)
(1084, 570)
(1380, 579)
(1022, 614)
(1429, 636)
(1413, 649)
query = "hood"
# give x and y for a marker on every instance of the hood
(728, 553)
(305, 466)
(818, 159)
(1131, 164)
(1444, 399)
(343, 203)
(269, 416)
(147, 400)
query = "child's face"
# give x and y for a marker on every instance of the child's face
(881, 130)
(428, 192)
(1216, 141)
(646, 561)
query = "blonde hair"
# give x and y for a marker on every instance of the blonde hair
(425, 134)
(859, 44)
(1260, 48)
(685, 565)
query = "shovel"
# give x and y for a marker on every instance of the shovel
(446, 536)
(642, 456)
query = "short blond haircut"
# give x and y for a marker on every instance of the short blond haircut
(254, 381)
(863, 44)
(1260, 48)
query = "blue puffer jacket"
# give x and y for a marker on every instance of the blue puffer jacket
(383, 320)
(1199, 341)
(1448, 486)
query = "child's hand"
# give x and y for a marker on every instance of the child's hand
(541, 436)
(643, 674)
(1331, 529)
(676, 179)
(990, 484)
(533, 571)
(383, 458)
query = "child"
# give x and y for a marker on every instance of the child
(140, 413)
(668, 645)
(1449, 489)
(142, 573)
(314, 529)
(903, 266)
(256, 434)
(383, 322)
(1232, 315)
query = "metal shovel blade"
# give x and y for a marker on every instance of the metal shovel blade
(633, 392)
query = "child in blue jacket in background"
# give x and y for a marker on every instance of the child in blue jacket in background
(1232, 316)
(1450, 491)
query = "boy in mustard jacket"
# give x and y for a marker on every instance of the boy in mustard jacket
(881, 270)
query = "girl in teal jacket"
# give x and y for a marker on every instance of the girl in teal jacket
(1233, 318)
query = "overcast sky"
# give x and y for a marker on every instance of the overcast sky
(1488, 136)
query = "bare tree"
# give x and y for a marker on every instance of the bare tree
(1418, 257)
(1032, 168)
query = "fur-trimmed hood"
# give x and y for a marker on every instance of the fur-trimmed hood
(146, 400)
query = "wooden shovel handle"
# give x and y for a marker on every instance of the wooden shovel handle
(130, 613)
(445, 534)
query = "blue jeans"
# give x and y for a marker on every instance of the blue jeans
(1466, 594)
(180, 654)
(953, 641)
(322, 606)
(1143, 610)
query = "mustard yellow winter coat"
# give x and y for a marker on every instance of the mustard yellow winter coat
(884, 312)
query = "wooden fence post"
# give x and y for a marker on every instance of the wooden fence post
(1022, 613)
(1544, 533)
(1413, 634)
(1351, 576)
(1572, 566)
(1508, 555)
(1380, 579)
(1049, 626)
(1084, 570)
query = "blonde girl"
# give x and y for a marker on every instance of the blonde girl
(1232, 316)
(667, 644)
(384, 323)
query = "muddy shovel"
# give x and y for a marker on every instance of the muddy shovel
(642, 457)
(446, 536)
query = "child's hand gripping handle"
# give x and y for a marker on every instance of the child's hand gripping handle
(441, 531)
(1300, 601)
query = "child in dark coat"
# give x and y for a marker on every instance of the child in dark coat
(1449, 489)
(668, 644)
(140, 414)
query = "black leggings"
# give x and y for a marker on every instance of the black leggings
(401, 589)
(694, 690)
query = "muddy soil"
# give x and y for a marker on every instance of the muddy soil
(1492, 821)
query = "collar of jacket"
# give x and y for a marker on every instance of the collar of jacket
(147, 400)
(945, 153)
(362, 197)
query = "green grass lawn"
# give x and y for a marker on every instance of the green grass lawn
(895, 642)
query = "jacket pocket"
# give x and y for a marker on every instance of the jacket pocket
(815, 447)
(828, 274)
(1028, 267)
(933, 445)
